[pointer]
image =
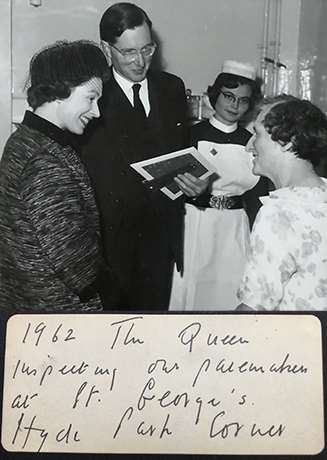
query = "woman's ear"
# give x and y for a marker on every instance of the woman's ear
(288, 147)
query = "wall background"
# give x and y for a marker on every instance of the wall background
(196, 36)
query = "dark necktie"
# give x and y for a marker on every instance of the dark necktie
(138, 106)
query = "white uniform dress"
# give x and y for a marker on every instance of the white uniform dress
(216, 241)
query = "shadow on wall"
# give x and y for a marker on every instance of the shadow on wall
(319, 84)
(158, 62)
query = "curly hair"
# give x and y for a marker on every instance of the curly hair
(58, 68)
(301, 123)
(232, 81)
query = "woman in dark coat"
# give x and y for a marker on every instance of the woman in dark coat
(49, 231)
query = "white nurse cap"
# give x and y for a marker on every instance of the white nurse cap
(243, 69)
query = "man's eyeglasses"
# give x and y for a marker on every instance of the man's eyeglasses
(131, 55)
(232, 99)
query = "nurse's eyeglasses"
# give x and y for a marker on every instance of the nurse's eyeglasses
(230, 98)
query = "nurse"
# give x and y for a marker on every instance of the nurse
(217, 224)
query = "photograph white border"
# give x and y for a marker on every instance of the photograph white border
(139, 167)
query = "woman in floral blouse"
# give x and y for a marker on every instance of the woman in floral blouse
(287, 265)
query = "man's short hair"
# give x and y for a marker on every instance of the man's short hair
(120, 17)
(58, 68)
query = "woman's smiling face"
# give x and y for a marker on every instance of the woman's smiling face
(265, 151)
(74, 113)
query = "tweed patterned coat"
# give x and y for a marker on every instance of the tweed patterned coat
(49, 230)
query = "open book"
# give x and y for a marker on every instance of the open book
(159, 172)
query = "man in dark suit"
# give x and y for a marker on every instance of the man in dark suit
(142, 230)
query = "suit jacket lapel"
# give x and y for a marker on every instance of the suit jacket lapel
(116, 101)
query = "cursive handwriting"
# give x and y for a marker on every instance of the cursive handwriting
(124, 332)
(191, 334)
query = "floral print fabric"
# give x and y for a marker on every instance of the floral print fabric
(287, 264)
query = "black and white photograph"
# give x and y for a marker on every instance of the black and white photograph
(163, 229)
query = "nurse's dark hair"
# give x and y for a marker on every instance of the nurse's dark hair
(120, 17)
(299, 122)
(231, 81)
(58, 68)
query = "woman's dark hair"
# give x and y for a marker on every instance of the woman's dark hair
(120, 17)
(301, 123)
(232, 81)
(58, 68)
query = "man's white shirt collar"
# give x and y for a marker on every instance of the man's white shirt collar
(127, 87)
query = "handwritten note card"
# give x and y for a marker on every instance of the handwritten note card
(201, 384)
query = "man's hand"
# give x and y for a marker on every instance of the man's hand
(190, 185)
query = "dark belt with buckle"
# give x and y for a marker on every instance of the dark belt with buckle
(220, 202)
